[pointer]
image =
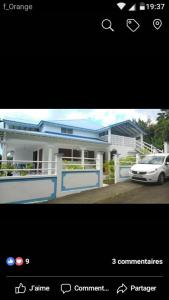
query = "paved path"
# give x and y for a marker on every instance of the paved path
(127, 192)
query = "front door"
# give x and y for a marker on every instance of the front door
(35, 158)
(40, 158)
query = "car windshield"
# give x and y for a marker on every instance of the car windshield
(153, 160)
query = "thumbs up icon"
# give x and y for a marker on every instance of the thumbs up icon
(21, 289)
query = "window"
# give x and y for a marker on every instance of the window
(103, 133)
(66, 130)
(65, 152)
(40, 158)
(23, 128)
(89, 154)
(76, 153)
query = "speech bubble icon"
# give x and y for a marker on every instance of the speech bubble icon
(65, 288)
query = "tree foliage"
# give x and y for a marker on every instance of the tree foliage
(158, 132)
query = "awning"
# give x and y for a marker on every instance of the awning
(126, 128)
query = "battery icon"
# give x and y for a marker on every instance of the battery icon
(142, 6)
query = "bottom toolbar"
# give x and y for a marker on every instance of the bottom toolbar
(87, 285)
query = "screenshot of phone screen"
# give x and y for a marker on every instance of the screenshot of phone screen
(84, 149)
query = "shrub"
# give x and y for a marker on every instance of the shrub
(108, 167)
(24, 173)
(8, 165)
(128, 160)
(144, 151)
(72, 166)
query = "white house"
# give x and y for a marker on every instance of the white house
(75, 139)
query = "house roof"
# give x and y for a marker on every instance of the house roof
(56, 135)
(78, 123)
(20, 123)
(127, 128)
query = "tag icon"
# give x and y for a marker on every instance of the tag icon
(132, 24)
(157, 23)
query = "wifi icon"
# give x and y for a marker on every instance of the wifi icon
(121, 5)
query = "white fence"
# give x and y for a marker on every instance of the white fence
(30, 167)
(26, 167)
(47, 180)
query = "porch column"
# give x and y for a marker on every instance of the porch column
(109, 135)
(108, 155)
(50, 152)
(137, 158)
(99, 166)
(4, 151)
(141, 140)
(116, 169)
(83, 158)
(58, 172)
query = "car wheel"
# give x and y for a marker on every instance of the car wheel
(161, 178)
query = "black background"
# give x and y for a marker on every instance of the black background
(68, 68)
(74, 28)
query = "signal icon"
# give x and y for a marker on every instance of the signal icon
(133, 8)
(121, 5)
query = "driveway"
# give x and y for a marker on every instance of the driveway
(121, 193)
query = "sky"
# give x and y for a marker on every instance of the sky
(102, 117)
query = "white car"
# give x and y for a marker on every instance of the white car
(152, 168)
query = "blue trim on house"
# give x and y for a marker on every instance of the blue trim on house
(64, 173)
(30, 201)
(76, 136)
(53, 195)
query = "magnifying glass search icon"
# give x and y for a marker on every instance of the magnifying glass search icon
(107, 24)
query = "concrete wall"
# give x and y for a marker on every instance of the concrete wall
(77, 181)
(28, 189)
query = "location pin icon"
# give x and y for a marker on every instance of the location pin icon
(157, 23)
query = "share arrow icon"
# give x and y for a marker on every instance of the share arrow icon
(122, 288)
